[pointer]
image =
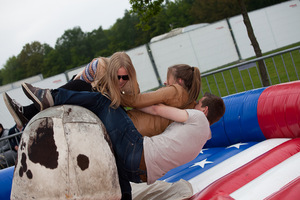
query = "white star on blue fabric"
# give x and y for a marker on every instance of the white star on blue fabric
(236, 145)
(201, 163)
(203, 150)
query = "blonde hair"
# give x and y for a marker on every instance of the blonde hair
(110, 83)
(191, 79)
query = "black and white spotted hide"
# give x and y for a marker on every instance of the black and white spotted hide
(65, 153)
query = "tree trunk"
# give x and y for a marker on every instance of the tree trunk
(261, 66)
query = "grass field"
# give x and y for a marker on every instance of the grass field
(281, 68)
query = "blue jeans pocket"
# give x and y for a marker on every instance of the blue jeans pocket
(128, 149)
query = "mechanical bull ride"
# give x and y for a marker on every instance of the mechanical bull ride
(253, 154)
(65, 154)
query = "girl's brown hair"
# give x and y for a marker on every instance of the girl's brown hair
(191, 79)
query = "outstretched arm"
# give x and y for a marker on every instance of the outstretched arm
(173, 95)
(168, 112)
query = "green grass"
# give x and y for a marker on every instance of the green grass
(287, 68)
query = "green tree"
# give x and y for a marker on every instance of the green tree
(208, 11)
(1, 76)
(179, 13)
(98, 42)
(145, 10)
(52, 64)
(171, 15)
(159, 24)
(192, 11)
(257, 4)
(28, 63)
(31, 58)
(11, 72)
(124, 34)
(72, 49)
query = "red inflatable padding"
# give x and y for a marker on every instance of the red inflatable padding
(278, 111)
(248, 172)
(291, 191)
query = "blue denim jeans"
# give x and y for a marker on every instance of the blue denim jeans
(127, 142)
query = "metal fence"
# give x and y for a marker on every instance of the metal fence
(9, 156)
(283, 66)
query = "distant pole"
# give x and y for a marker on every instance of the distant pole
(261, 66)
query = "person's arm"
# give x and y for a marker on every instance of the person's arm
(173, 95)
(5, 144)
(168, 112)
(15, 140)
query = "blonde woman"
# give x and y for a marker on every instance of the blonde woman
(101, 74)
(125, 83)
(110, 76)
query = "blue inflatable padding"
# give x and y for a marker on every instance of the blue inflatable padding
(234, 105)
(239, 123)
(6, 177)
(235, 109)
(219, 137)
(249, 121)
(192, 169)
(203, 155)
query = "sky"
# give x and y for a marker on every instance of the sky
(25, 21)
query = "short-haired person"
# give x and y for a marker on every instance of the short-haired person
(191, 127)
(8, 147)
(3, 143)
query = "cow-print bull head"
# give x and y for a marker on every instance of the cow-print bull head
(66, 152)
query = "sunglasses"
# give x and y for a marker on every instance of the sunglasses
(124, 77)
